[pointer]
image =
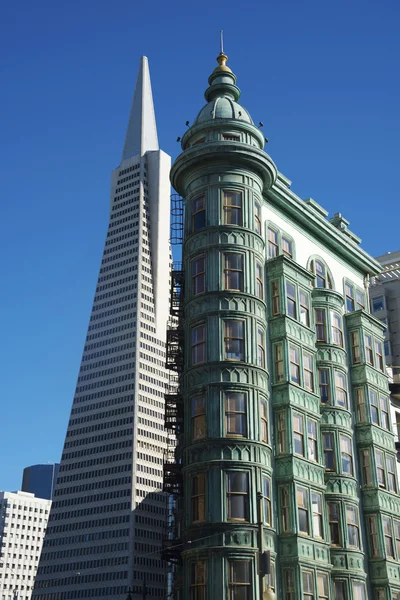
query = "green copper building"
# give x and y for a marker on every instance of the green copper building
(284, 478)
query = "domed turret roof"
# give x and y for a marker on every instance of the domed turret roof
(222, 96)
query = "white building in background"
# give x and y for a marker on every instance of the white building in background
(108, 513)
(23, 522)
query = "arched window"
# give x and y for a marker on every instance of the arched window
(323, 277)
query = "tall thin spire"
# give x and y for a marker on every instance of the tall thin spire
(141, 134)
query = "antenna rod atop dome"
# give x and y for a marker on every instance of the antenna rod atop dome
(221, 41)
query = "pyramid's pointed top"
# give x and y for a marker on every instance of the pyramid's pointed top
(141, 134)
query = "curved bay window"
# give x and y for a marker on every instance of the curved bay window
(199, 213)
(257, 217)
(198, 275)
(199, 427)
(237, 496)
(199, 344)
(233, 340)
(233, 271)
(198, 498)
(198, 580)
(239, 580)
(232, 207)
(337, 333)
(235, 414)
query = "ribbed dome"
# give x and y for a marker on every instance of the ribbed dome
(223, 107)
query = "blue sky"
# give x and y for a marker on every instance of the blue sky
(322, 76)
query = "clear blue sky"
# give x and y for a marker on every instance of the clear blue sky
(322, 76)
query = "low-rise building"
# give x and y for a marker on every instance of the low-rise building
(23, 522)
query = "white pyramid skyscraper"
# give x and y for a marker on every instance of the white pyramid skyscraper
(106, 523)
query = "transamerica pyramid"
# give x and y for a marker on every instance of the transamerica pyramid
(106, 522)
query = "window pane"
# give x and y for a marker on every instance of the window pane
(233, 271)
(198, 344)
(199, 213)
(234, 342)
(235, 410)
(199, 417)
(359, 591)
(198, 275)
(378, 303)
(329, 451)
(294, 364)
(273, 248)
(349, 290)
(324, 385)
(232, 208)
(287, 246)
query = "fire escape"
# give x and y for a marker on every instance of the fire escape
(173, 397)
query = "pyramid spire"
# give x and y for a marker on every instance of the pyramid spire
(141, 134)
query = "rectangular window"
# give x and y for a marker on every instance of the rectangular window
(323, 586)
(273, 246)
(235, 414)
(369, 357)
(198, 417)
(257, 217)
(233, 271)
(308, 585)
(347, 455)
(264, 420)
(386, 347)
(276, 308)
(373, 402)
(396, 525)
(349, 291)
(259, 281)
(199, 213)
(360, 405)
(198, 275)
(372, 529)
(360, 300)
(232, 208)
(336, 323)
(278, 362)
(304, 308)
(320, 324)
(352, 526)
(290, 589)
(329, 451)
(234, 340)
(302, 510)
(340, 590)
(281, 421)
(355, 347)
(294, 364)
(341, 389)
(260, 348)
(384, 412)
(366, 467)
(308, 371)
(334, 523)
(198, 498)
(324, 385)
(312, 440)
(240, 580)
(378, 304)
(287, 246)
(298, 435)
(380, 468)
(359, 591)
(391, 474)
(291, 304)
(198, 344)
(387, 532)
(267, 500)
(316, 502)
(198, 580)
(237, 496)
(379, 356)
